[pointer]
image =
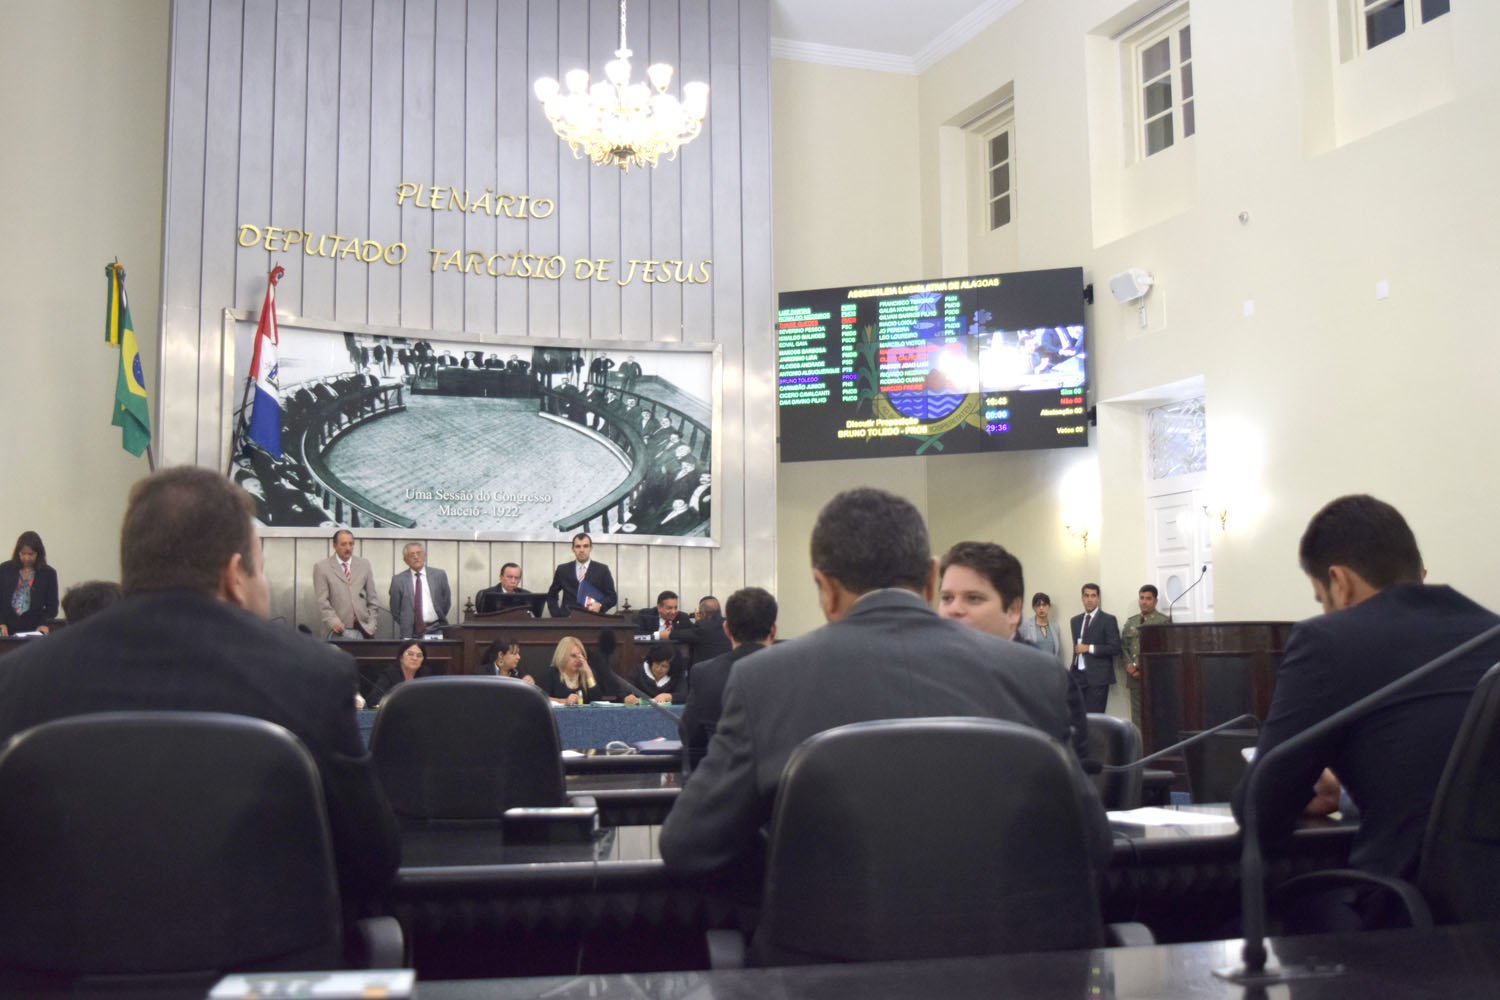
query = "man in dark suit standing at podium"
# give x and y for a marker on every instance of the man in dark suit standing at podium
(1096, 640)
(583, 569)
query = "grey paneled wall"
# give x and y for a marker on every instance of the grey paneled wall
(307, 113)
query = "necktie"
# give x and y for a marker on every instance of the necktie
(346, 572)
(418, 626)
(581, 569)
(1087, 619)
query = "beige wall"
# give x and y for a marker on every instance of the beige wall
(1324, 389)
(844, 170)
(85, 85)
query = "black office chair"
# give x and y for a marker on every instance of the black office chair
(167, 847)
(923, 838)
(1114, 741)
(1216, 764)
(466, 748)
(1458, 874)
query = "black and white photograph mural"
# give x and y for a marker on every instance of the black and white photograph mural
(457, 439)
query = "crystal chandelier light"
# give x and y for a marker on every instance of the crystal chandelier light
(616, 121)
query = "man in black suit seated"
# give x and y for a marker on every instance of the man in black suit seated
(562, 596)
(1380, 622)
(191, 635)
(884, 654)
(509, 586)
(713, 639)
(665, 623)
(749, 628)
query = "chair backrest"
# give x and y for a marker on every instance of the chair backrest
(926, 838)
(1114, 741)
(466, 748)
(1459, 872)
(1216, 764)
(165, 844)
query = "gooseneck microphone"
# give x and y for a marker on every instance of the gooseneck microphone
(1253, 971)
(1197, 737)
(1173, 603)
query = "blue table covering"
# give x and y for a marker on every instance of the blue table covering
(590, 727)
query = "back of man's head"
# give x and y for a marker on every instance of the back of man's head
(867, 539)
(750, 614)
(89, 598)
(182, 526)
(1365, 534)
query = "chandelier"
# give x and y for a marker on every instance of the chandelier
(616, 121)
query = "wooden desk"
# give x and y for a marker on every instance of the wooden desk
(533, 909)
(538, 637)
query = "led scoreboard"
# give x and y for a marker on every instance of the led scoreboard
(994, 362)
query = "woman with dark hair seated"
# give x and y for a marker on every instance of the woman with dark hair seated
(28, 588)
(661, 677)
(570, 680)
(410, 664)
(502, 658)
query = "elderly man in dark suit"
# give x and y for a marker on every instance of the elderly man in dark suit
(191, 635)
(884, 654)
(1096, 641)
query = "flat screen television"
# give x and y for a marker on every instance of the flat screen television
(994, 362)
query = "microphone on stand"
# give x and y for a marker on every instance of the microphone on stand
(1173, 602)
(1253, 971)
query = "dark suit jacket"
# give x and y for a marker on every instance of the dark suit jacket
(684, 629)
(1390, 761)
(676, 686)
(891, 657)
(711, 641)
(180, 651)
(43, 597)
(565, 583)
(1104, 634)
(706, 700)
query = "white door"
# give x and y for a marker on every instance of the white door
(1179, 554)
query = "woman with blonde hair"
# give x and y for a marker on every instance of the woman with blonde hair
(570, 680)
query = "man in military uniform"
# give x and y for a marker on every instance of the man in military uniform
(1130, 645)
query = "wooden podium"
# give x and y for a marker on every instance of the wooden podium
(538, 637)
(1196, 675)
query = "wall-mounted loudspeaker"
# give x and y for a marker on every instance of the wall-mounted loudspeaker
(1127, 286)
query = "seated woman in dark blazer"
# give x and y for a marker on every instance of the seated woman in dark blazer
(570, 680)
(410, 664)
(661, 677)
(502, 658)
(28, 588)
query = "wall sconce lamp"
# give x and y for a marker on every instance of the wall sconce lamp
(1082, 534)
(1217, 513)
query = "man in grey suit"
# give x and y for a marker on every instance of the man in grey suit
(884, 654)
(419, 597)
(345, 583)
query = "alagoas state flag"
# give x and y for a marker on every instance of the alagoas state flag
(265, 409)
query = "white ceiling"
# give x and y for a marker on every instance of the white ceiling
(897, 36)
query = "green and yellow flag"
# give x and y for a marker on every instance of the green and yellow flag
(132, 414)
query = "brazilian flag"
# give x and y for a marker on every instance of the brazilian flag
(132, 415)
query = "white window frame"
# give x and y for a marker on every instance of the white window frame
(1166, 27)
(1358, 11)
(1000, 121)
